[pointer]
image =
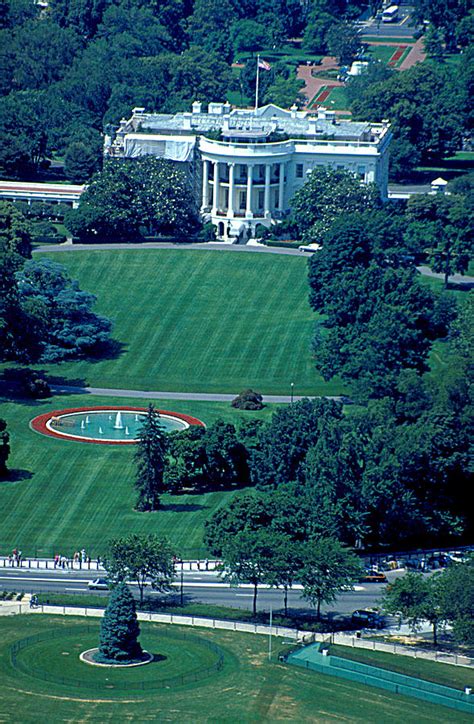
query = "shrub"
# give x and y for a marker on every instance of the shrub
(248, 400)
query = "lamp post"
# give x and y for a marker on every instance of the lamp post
(292, 388)
(181, 590)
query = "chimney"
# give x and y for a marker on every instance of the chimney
(197, 105)
(294, 109)
(187, 121)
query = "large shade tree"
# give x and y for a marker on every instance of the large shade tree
(144, 559)
(131, 197)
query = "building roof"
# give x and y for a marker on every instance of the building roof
(247, 122)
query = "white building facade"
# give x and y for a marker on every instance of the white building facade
(245, 166)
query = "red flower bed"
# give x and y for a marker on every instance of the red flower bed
(324, 94)
(397, 54)
(39, 424)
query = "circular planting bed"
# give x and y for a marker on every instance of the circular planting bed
(105, 425)
(177, 659)
(89, 657)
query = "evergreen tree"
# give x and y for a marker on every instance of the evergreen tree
(119, 629)
(150, 460)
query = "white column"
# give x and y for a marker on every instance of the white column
(281, 187)
(215, 190)
(266, 202)
(230, 209)
(205, 184)
(248, 210)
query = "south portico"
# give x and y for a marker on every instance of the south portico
(241, 194)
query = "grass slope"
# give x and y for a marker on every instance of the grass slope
(71, 494)
(200, 321)
(249, 689)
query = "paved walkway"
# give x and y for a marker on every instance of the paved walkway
(166, 395)
(313, 85)
(416, 55)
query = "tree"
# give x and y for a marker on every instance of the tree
(248, 35)
(208, 26)
(284, 92)
(131, 196)
(328, 568)
(42, 53)
(80, 162)
(119, 629)
(245, 559)
(15, 233)
(457, 600)
(443, 226)
(64, 313)
(343, 42)
(150, 461)
(416, 599)
(326, 195)
(225, 457)
(142, 559)
(284, 565)
(24, 134)
(428, 107)
(4, 448)
(284, 442)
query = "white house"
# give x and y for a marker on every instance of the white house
(262, 157)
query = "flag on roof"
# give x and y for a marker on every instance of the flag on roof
(264, 65)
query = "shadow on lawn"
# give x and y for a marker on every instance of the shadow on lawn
(12, 385)
(183, 507)
(17, 475)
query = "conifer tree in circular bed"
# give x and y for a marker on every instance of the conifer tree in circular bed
(119, 629)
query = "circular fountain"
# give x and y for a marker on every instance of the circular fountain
(106, 425)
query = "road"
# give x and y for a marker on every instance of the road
(197, 587)
(166, 395)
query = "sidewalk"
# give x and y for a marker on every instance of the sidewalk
(47, 564)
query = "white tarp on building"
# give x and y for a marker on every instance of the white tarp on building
(147, 144)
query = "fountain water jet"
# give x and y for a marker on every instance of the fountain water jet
(101, 432)
(118, 421)
(127, 431)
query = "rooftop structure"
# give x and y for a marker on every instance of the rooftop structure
(246, 165)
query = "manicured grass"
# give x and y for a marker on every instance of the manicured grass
(381, 52)
(409, 40)
(337, 99)
(250, 688)
(205, 321)
(70, 495)
(455, 676)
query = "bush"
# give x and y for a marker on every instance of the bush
(207, 233)
(248, 400)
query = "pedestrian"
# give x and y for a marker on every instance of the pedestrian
(18, 559)
(56, 560)
(83, 555)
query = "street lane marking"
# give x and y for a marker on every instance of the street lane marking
(75, 589)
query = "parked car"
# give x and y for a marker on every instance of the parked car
(373, 577)
(98, 584)
(368, 619)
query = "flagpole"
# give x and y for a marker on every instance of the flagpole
(256, 85)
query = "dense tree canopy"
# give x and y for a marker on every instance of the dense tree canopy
(428, 107)
(327, 194)
(131, 197)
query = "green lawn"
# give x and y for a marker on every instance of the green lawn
(205, 321)
(337, 99)
(248, 689)
(71, 494)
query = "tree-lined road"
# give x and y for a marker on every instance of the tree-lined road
(202, 587)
